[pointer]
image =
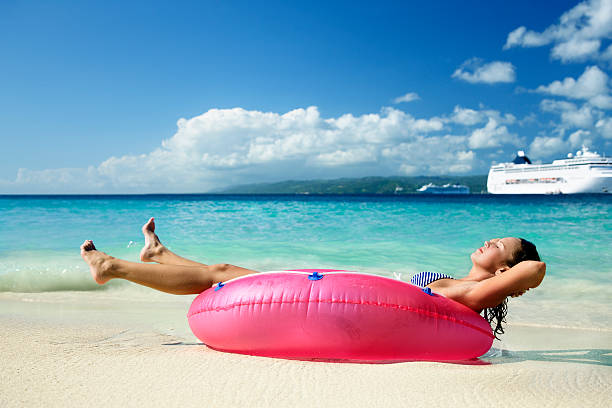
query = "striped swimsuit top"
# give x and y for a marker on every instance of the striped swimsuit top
(423, 279)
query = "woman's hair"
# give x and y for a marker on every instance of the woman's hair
(526, 252)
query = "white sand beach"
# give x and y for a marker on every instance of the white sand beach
(74, 349)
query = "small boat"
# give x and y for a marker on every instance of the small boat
(445, 189)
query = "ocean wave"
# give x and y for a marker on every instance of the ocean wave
(37, 280)
(49, 276)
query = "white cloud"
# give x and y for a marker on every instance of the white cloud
(408, 169)
(522, 37)
(547, 147)
(347, 157)
(491, 135)
(471, 117)
(571, 115)
(577, 36)
(463, 163)
(467, 116)
(236, 146)
(529, 119)
(409, 97)
(582, 117)
(432, 155)
(590, 122)
(553, 105)
(604, 127)
(592, 85)
(579, 138)
(576, 50)
(607, 54)
(475, 71)
(601, 101)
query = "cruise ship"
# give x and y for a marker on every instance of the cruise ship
(445, 189)
(584, 172)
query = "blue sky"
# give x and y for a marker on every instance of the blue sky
(191, 96)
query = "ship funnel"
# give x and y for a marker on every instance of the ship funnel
(521, 158)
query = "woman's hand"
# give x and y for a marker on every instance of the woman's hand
(519, 293)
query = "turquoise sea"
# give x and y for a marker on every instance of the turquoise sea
(394, 236)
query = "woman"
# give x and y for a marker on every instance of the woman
(501, 268)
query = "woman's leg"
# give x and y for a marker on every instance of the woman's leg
(175, 279)
(155, 251)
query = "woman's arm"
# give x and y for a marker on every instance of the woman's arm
(491, 292)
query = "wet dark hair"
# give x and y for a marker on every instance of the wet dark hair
(526, 252)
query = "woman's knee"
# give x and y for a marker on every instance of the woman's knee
(220, 272)
(223, 272)
(221, 268)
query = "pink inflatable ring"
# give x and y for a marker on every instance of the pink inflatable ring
(322, 314)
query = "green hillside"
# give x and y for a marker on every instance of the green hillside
(366, 185)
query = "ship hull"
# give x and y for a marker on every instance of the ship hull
(523, 180)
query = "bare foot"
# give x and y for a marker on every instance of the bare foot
(153, 246)
(99, 262)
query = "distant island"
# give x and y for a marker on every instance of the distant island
(365, 185)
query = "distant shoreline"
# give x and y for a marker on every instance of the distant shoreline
(393, 185)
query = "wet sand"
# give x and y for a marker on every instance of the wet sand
(114, 348)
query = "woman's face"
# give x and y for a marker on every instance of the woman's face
(496, 253)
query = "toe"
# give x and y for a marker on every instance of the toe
(88, 245)
(149, 225)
